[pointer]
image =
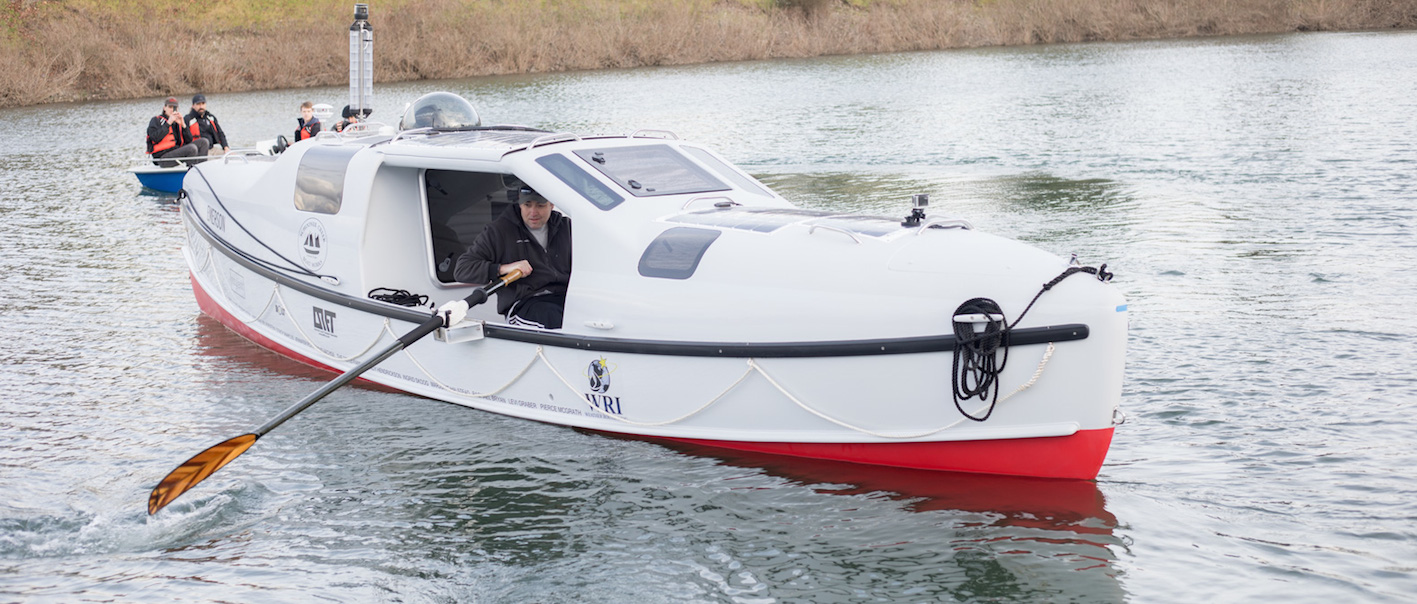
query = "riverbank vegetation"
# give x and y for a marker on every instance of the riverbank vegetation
(70, 50)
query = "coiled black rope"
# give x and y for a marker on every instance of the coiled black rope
(401, 297)
(977, 363)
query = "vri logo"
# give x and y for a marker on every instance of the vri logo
(598, 373)
(313, 244)
(324, 321)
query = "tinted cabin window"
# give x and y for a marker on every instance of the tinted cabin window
(675, 253)
(460, 206)
(319, 182)
(581, 181)
(650, 170)
(727, 171)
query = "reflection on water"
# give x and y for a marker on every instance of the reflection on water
(990, 537)
(1038, 192)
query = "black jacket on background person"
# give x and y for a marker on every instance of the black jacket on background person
(508, 240)
(206, 127)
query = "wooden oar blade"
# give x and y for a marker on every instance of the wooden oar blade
(196, 470)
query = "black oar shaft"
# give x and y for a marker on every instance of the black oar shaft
(426, 328)
(431, 325)
(203, 464)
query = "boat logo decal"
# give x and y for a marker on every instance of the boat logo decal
(324, 321)
(313, 244)
(216, 219)
(599, 375)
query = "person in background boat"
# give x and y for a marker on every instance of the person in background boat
(169, 139)
(309, 124)
(203, 124)
(350, 118)
(531, 237)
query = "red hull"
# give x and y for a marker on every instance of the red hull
(1077, 456)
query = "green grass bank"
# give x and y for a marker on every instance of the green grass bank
(74, 50)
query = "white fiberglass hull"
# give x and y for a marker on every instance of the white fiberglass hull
(886, 409)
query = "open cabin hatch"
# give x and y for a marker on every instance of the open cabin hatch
(460, 205)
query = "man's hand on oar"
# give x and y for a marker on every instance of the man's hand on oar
(204, 464)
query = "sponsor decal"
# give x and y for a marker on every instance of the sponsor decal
(216, 219)
(324, 321)
(235, 283)
(313, 244)
(598, 374)
(605, 403)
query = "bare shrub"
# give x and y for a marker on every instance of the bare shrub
(64, 54)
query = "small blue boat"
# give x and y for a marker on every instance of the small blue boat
(167, 180)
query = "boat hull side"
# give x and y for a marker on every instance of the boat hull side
(1077, 456)
(211, 308)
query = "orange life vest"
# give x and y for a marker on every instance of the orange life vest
(305, 128)
(166, 143)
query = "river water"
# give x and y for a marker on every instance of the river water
(1256, 198)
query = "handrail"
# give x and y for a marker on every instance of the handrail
(361, 127)
(945, 223)
(706, 197)
(646, 134)
(828, 227)
(146, 160)
(555, 137)
(399, 136)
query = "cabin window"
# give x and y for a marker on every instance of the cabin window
(739, 179)
(675, 253)
(319, 182)
(581, 181)
(460, 206)
(652, 170)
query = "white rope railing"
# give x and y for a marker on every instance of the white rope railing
(602, 412)
(377, 337)
(275, 295)
(440, 383)
(753, 366)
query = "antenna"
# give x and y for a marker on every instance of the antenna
(361, 63)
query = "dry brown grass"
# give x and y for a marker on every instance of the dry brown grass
(82, 49)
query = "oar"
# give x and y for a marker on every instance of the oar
(207, 462)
